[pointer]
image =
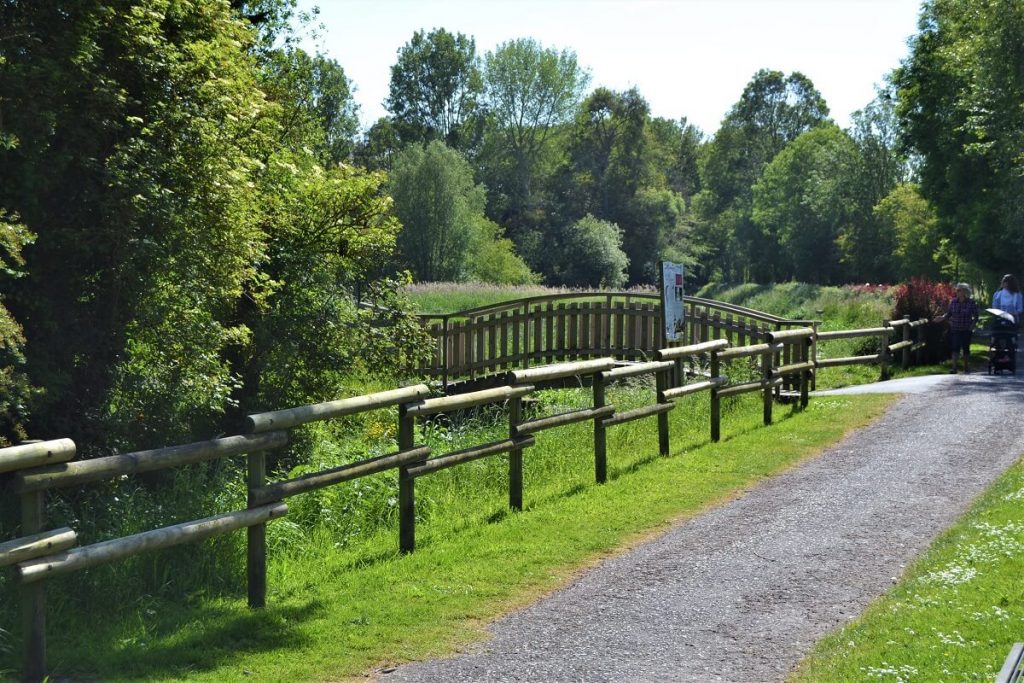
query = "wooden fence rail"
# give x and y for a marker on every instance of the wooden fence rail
(33, 469)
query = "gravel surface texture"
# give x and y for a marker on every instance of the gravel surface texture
(742, 592)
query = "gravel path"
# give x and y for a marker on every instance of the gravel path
(742, 592)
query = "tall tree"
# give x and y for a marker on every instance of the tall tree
(439, 205)
(959, 95)
(529, 91)
(435, 85)
(317, 96)
(773, 110)
(804, 203)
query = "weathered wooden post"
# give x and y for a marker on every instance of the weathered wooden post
(716, 402)
(807, 373)
(906, 348)
(767, 364)
(33, 596)
(600, 434)
(256, 535)
(406, 485)
(515, 456)
(883, 354)
(661, 382)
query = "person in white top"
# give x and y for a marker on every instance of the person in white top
(1009, 298)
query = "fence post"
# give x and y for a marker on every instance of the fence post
(716, 402)
(515, 456)
(767, 363)
(661, 384)
(406, 486)
(814, 356)
(33, 596)
(883, 355)
(600, 434)
(256, 535)
(444, 353)
(906, 338)
(806, 374)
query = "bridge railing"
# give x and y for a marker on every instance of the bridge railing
(552, 328)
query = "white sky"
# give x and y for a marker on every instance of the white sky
(688, 58)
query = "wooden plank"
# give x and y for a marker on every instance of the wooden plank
(562, 419)
(36, 454)
(561, 325)
(620, 332)
(574, 338)
(790, 336)
(849, 360)
(851, 334)
(84, 471)
(677, 352)
(636, 370)
(36, 545)
(585, 331)
(638, 413)
(469, 454)
(541, 374)
(687, 389)
(119, 548)
(462, 401)
(549, 341)
(517, 346)
(336, 475)
(505, 353)
(293, 417)
(492, 343)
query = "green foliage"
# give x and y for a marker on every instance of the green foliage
(910, 220)
(590, 254)
(804, 203)
(529, 91)
(959, 97)
(772, 112)
(439, 206)
(493, 258)
(15, 389)
(435, 85)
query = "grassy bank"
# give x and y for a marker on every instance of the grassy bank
(341, 605)
(954, 614)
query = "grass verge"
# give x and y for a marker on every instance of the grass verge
(341, 612)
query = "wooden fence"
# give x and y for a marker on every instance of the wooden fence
(32, 469)
(547, 329)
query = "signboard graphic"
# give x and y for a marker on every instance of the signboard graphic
(672, 299)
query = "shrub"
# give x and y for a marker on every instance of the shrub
(922, 298)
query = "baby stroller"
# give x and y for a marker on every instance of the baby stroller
(1002, 347)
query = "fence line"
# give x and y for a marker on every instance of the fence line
(37, 467)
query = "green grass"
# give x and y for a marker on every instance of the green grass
(340, 606)
(956, 611)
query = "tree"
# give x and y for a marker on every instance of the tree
(803, 202)
(529, 91)
(438, 205)
(590, 255)
(959, 95)
(912, 222)
(318, 97)
(772, 112)
(434, 89)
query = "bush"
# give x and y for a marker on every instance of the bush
(592, 255)
(922, 298)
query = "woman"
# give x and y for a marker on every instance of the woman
(962, 315)
(1009, 298)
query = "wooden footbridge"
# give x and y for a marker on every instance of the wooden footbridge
(476, 347)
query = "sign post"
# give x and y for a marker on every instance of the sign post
(672, 307)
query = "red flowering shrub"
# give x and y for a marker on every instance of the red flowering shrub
(922, 298)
